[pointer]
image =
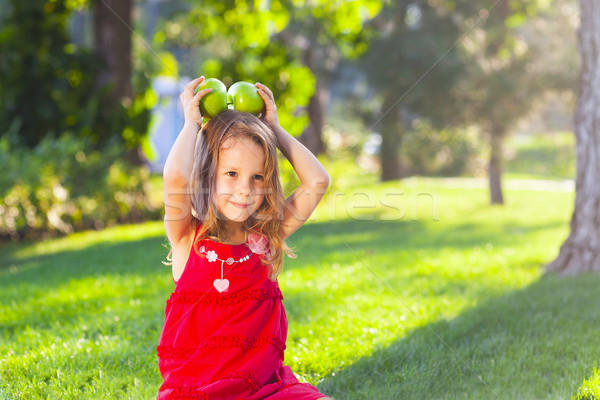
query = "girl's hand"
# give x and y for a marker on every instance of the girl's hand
(269, 114)
(191, 102)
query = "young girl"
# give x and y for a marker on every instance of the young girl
(225, 325)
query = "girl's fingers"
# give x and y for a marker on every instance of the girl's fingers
(269, 102)
(263, 94)
(196, 99)
(265, 97)
(190, 87)
(268, 92)
(191, 105)
(200, 94)
(195, 82)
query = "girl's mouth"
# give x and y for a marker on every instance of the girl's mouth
(239, 205)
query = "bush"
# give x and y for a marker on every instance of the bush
(66, 184)
(449, 152)
(551, 154)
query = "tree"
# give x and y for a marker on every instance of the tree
(47, 82)
(581, 250)
(112, 43)
(231, 40)
(302, 43)
(52, 86)
(319, 33)
(410, 71)
(499, 90)
(455, 63)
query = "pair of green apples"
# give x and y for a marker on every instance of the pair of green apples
(241, 96)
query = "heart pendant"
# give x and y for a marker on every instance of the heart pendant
(221, 285)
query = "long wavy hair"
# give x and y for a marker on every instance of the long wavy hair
(268, 218)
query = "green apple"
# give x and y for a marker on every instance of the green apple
(215, 101)
(243, 96)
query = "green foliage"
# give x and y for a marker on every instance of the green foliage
(516, 56)
(408, 65)
(146, 66)
(412, 69)
(49, 84)
(66, 185)
(550, 155)
(336, 27)
(447, 152)
(261, 41)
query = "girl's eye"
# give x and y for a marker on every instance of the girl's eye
(258, 177)
(232, 173)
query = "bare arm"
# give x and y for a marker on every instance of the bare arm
(178, 168)
(314, 179)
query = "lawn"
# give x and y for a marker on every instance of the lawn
(404, 290)
(551, 155)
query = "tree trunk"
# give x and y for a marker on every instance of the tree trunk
(498, 129)
(390, 144)
(495, 167)
(312, 137)
(112, 42)
(390, 164)
(581, 251)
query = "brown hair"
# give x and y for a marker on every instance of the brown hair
(268, 218)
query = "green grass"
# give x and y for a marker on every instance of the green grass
(410, 290)
(551, 156)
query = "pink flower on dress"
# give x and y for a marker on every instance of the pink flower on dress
(211, 256)
(270, 254)
(258, 244)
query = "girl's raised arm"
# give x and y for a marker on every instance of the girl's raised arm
(314, 179)
(178, 167)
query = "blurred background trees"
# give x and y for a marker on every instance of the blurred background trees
(394, 88)
(71, 113)
(412, 67)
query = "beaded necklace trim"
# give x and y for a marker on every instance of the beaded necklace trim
(222, 285)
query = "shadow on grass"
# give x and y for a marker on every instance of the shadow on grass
(384, 235)
(114, 258)
(540, 342)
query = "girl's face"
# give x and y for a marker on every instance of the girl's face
(239, 184)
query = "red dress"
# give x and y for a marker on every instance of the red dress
(226, 345)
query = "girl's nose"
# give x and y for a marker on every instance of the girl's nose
(244, 189)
